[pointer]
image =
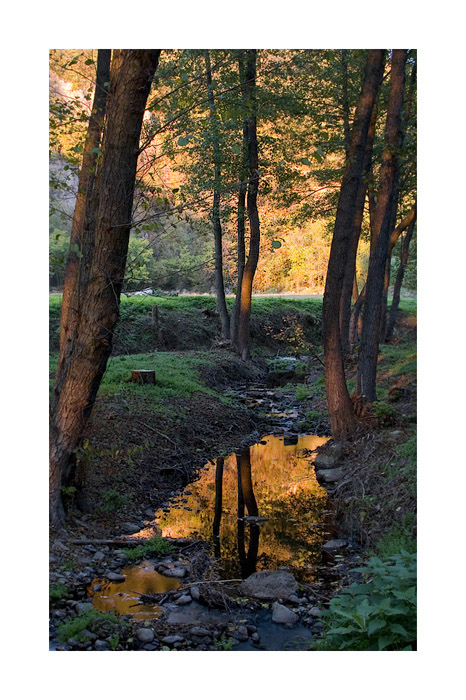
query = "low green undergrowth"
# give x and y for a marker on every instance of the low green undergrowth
(378, 614)
(72, 626)
(58, 592)
(156, 545)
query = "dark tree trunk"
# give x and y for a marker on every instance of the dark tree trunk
(396, 197)
(219, 283)
(368, 351)
(343, 420)
(241, 212)
(355, 326)
(399, 281)
(241, 252)
(79, 373)
(70, 301)
(350, 268)
(246, 498)
(244, 348)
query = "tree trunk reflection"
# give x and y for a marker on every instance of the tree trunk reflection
(248, 561)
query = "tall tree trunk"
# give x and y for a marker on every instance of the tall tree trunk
(350, 268)
(80, 373)
(399, 281)
(70, 302)
(368, 351)
(219, 283)
(241, 211)
(343, 419)
(244, 343)
(241, 253)
(396, 194)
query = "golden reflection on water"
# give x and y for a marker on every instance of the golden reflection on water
(272, 481)
(121, 596)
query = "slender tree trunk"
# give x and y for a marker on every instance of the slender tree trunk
(244, 344)
(69, 307)
(241, 252)
(368, 351)
(241, 212)
(396, 195)
(355, 319)
(399, 281)
(350, 268)
(219, 283)
(343, 420)
(79, 375)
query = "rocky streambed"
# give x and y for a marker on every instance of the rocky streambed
(254, 555)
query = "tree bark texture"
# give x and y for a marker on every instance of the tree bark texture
(253, 214)
(69, 307)
(217, 225)
(368, 351)
(79, 374)
(391, 320)
(397, 187)
(343, 420)
(241, 211)
(350, 268)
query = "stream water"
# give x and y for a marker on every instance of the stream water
(261, 507)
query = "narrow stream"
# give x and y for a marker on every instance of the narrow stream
(262, 508)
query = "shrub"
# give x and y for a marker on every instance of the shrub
(383, 413)
(379, 614)
(156, 545)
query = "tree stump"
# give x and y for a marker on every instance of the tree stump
(143, 376)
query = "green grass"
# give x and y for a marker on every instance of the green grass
(72, 626)
(58, 592)
(156, 545)
(176, 376)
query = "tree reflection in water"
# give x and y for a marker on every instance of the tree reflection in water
(248, 562)
(274, 477)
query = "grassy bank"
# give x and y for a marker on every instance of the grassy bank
(186, 323)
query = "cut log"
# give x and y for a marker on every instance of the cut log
(143, 376)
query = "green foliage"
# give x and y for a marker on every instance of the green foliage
(379, 614)
(114, 641)
(72, 626)
(69, 565)
(58, 592)
(383, 413)
(224, 643)
(156, 545)
(408, 450)
(113, 501)
(400, 537)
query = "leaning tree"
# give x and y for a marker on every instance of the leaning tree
(85, 351)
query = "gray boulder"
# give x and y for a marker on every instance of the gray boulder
(269, 585)
(145, 635)
(334, 545)
(115, 578)
(283, 615)
(330, 475)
